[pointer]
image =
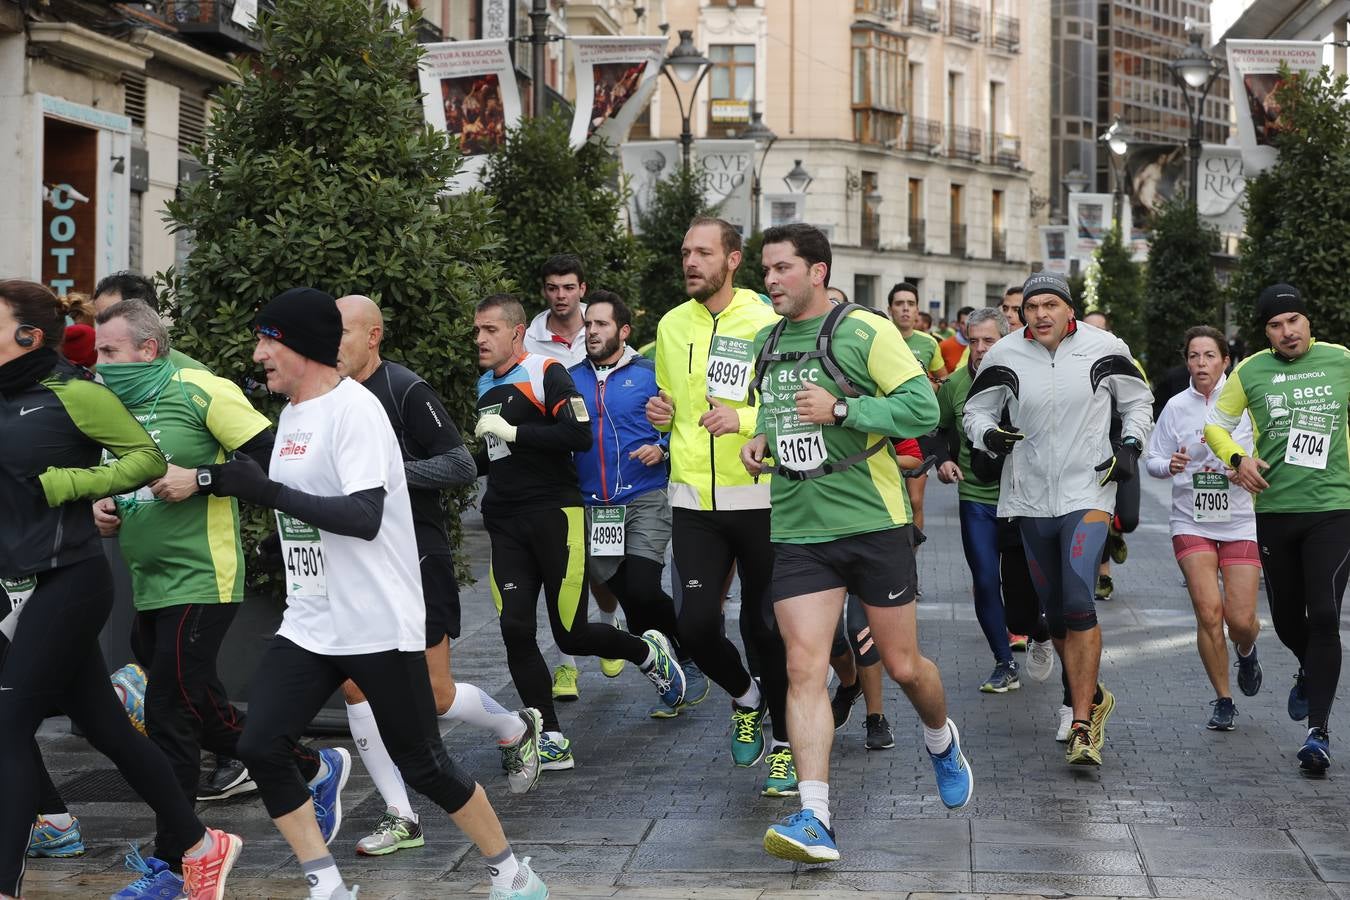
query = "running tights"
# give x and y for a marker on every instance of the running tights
(645, 604)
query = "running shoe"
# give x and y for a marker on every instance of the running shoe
(1314, 757)
(1040, 661)
(613, 668)
(1105, 588)
(1224, 712)
(1080, 751)
(665, 673)
(155, 880)
(565, 684)
(782, 780)
(327, 792)
(50, 841)
(1298, 699)
(1065, 723)
(1017, 642)
(531, 887)
(229, 778)
(204, 877)
(747, 733)
(555, 754)
(841, 704)
(393, 832)
(1116, 546)
(520, 759)
(1100, 713)
(1003, 679)
(695, 691)
(955, 781)
(801, 837)
(1249, 673)
(879, 736)
(129, 684)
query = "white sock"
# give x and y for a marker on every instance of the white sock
(60, 820)
(388, 780)
(323, 877)
(649, 661)
(751, 698)
(565, 660)
(937, 740)
(555, 736)
(816, 797)
(775, 744)
(504, 868)
(323, 766)
(477, 707)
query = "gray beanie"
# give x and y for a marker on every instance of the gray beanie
(1046, 283)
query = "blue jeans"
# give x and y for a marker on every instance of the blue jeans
(979, 538)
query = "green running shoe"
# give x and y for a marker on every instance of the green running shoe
(747, 733)
(555, 755)
(782, 780)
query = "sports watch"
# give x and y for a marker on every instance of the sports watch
(840, 411)
(204, 479)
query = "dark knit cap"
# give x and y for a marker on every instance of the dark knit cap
(1277, 300)
(1046, 283)
(306, 320)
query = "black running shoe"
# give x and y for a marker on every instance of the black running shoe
(842, 703)
(229, 779)
(879, 736)
(1224, 711)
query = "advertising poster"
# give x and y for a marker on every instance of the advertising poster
(1055, 249)
(1253, 77)
(469, 92)
(646, 164)
(1089, 222)
(726, 170)
(616, 78)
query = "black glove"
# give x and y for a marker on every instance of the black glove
(1123, 466)
(1000, 442)
(986, 467)
(242, 477)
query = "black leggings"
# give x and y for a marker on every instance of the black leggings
(291, 686)
(637, 586)
(48, 798)
(705, 544)
(547, 548)
(1021, 605)
(1307, 559)
(55, 663)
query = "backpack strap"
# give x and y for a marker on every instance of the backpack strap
(828, 468)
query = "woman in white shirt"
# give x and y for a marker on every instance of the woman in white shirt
(1212, 522)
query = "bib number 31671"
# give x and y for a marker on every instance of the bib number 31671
(1309, 439)
(302, 555)
(607, 530)
(729, 368)
(798, 445)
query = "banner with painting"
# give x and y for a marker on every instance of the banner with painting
(616, 78)
(646, 164)
(1055, 249)
(1253, 79)
(1154, 173)
(469, 91)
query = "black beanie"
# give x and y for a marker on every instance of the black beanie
(305, 319)
(1277, 300)
(1046, 283)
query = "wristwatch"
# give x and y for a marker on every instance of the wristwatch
(1235, 460)
(204, 479)
(840, 411)
(1133, 443)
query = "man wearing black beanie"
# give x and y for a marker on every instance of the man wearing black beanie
(354, 604)
(1299, 472)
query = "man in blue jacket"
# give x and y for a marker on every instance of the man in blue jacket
(623, 480)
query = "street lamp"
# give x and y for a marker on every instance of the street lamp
(797, 179)
(1117, 139)
(1194, 70)
(1075, 181)
(762, 135)
(688, 65)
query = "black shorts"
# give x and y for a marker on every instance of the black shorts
(441, 592)
(878, 567)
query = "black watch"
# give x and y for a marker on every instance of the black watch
(840, 411)
(204, 479)
(1235, 460)
(1133, 442)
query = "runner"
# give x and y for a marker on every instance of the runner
(720, 515)
(1213, 525)
(434, 459)
(1296, 394)
(532, 420)
(59, 586)
(1060, 381)
(954, 347)
(1012, 306)
(829, 397)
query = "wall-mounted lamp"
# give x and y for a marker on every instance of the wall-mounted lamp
(119, 164)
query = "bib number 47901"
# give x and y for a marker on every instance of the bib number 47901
(302, 555)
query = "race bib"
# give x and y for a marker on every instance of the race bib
(729, 368)
(607, 530)
(798, 445)
(302, 553)
(1209, 497)
(1309, 439)
(18, 590)
(496, 447)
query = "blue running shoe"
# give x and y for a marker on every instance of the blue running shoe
(1298, 699)
(156, 881)
(555, 755)
(955, 781)
(49, 841)
(1314, 758)
(801, 837)
(531, 887)
(327, 792)
(664, 671)
(129, 684)
(1249, 672)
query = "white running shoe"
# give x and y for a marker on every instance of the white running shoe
(1065, 722)
(1040, 661)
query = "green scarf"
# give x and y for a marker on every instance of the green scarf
(139, 382)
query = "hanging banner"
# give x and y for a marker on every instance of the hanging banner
(1222, 183)
(1253, 78)
(1055, 249)
(1089, 221)
(616, 78)
(469, 92)
(726, 169)
(646, 163)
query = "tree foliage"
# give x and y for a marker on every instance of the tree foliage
(1298, 211)
(675, 202)
(751, 273)
(1180, 287)
(319, 171)
(1114, 285)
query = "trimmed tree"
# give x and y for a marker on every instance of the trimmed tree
(1180, 286)
(676, 201)
(1116, 289)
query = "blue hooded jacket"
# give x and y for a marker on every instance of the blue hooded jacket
(617, 401)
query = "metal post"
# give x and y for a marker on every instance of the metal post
(1193, 149)
(538, 41)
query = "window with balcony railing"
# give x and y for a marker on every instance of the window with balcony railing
(964, 20)
(878, 61)
(1005, 150)
(871, 210)
(917, 244)
(1005, 32)
(998, 244)
(924, 14)
(881, 9)
(922, 134)
(958, 239)
(964, 143)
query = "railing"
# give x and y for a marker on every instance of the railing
(214, 21)
(958, 244)
(884, 9)
(1005, 150)
(964, 143)
(1005, 33)
(922, 134)
(963, 20)
(917, 244)
(920, 14)
(998, 244)
(871, 227)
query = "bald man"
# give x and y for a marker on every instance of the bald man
(434, 459)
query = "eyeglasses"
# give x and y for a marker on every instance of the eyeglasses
(268, 331)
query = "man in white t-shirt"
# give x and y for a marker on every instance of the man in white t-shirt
(354, 606)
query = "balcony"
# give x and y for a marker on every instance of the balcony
(880, 9)
(1005, 150)
(958, 243)
(213, 22)
(998, 244)
(917, 244)
(964, 143)
(922, 134)
(428, 32)
(964, 20)
(1005, 33)
(923, 14)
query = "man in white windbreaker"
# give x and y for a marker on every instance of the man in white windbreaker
(1042, 400)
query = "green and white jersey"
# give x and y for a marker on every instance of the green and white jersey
(188, 552)
(926, 350)
(897, 401)
(951, 399)
(1298, 411)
